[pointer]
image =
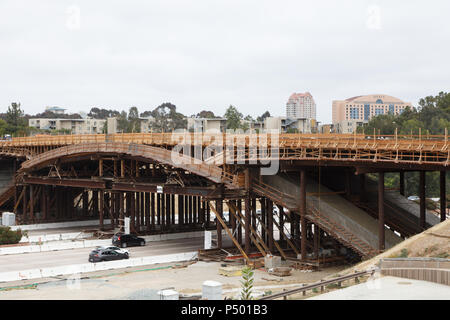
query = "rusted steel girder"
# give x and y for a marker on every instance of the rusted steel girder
(80, 183)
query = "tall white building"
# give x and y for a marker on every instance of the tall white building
(301, 106)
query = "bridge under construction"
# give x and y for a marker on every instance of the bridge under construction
(290, 195)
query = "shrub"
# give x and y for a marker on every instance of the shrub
(8, 236)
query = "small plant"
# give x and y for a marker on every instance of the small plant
(314, 290)
(247, 283)
(8, 236)
(404, 253)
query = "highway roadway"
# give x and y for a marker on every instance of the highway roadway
(26, 261)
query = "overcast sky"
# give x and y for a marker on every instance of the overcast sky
(210, 54)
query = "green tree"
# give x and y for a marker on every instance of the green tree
(233, 117)
(262, 117)
(134, 124)
(16, 123)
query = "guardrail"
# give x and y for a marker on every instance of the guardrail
(318, 284)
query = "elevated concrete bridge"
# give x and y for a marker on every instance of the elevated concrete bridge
(167, 182)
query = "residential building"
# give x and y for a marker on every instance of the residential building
(145, 125)
(283, 124)
(350, 113)
(301, 106)
(206, 124)
(76, 126)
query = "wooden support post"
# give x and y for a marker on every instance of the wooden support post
(100, 167)
(163, 210)
(138, 212)
(180, 209)
(122, 211)
(248, 214)
(158, 208)
(31, 218)
(263, 202)
(85, 203)
(152, 209)
(167, 196)
(281, 212)
(101, 200)
(219, 209)
(190, 209)
(122, 169)
(208, 215)
(25, 204)
(220, 220)
(147, 211)
(232, 218)
(303, 213)
(132, 211)
(172, 206)
(239, 231)
(270, 224)
(381, 242)
(194, 209)
(443, 195)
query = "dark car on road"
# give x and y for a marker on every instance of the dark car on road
(123, 240)
(100, 254)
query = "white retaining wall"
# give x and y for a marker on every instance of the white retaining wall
(57, 245)
(91, 267)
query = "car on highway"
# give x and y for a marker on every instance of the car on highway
(127, 240)
(99, 255)
(114, 248)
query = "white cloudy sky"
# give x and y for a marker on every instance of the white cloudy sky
(210, 54)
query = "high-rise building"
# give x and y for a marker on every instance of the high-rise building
(301, 106)
(352, 112)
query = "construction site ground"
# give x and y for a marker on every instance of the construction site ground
(144, 282)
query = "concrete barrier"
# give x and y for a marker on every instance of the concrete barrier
(57, 225)
(90, 267)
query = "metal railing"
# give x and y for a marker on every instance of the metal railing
(318, 285)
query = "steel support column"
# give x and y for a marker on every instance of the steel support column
(422, 196)
(381, 242)
(402, 183)
(303, 212)
(443, 195)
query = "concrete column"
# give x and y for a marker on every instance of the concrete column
(443, 195)
(381, 239)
